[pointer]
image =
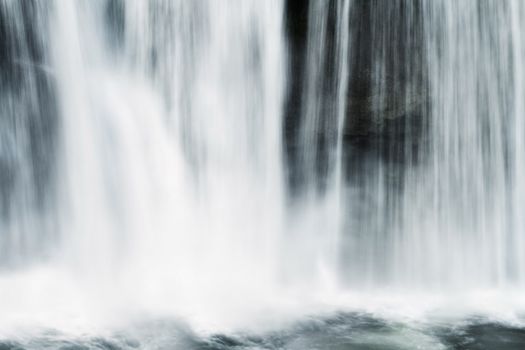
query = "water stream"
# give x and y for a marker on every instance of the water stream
(152, 198)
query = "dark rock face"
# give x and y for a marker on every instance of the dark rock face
(311, 120)
(387, 95)
(116, 22)
(296, 26)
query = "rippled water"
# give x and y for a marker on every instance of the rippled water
(359, 331)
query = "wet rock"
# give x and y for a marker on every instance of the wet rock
(387, 94)
(387, 97)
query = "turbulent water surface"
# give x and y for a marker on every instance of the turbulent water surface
(341, 331)
(249, 174)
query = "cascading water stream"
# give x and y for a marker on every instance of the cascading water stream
(442, 195)
(169, 177)
(144, 165)
(320, 206)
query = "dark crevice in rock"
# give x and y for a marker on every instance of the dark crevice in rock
(296, 26)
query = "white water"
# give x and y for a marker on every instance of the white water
(449, 218)
(170, 193)
(169, 196)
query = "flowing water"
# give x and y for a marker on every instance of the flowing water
(448, 214)
(151, 197)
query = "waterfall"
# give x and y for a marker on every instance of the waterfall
(467, 194)
(164, 162)
(166, 149)
(318, 209)
(216, 162)
(27, 130)
(437, 203)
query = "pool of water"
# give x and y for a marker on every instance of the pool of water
(340, 331)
